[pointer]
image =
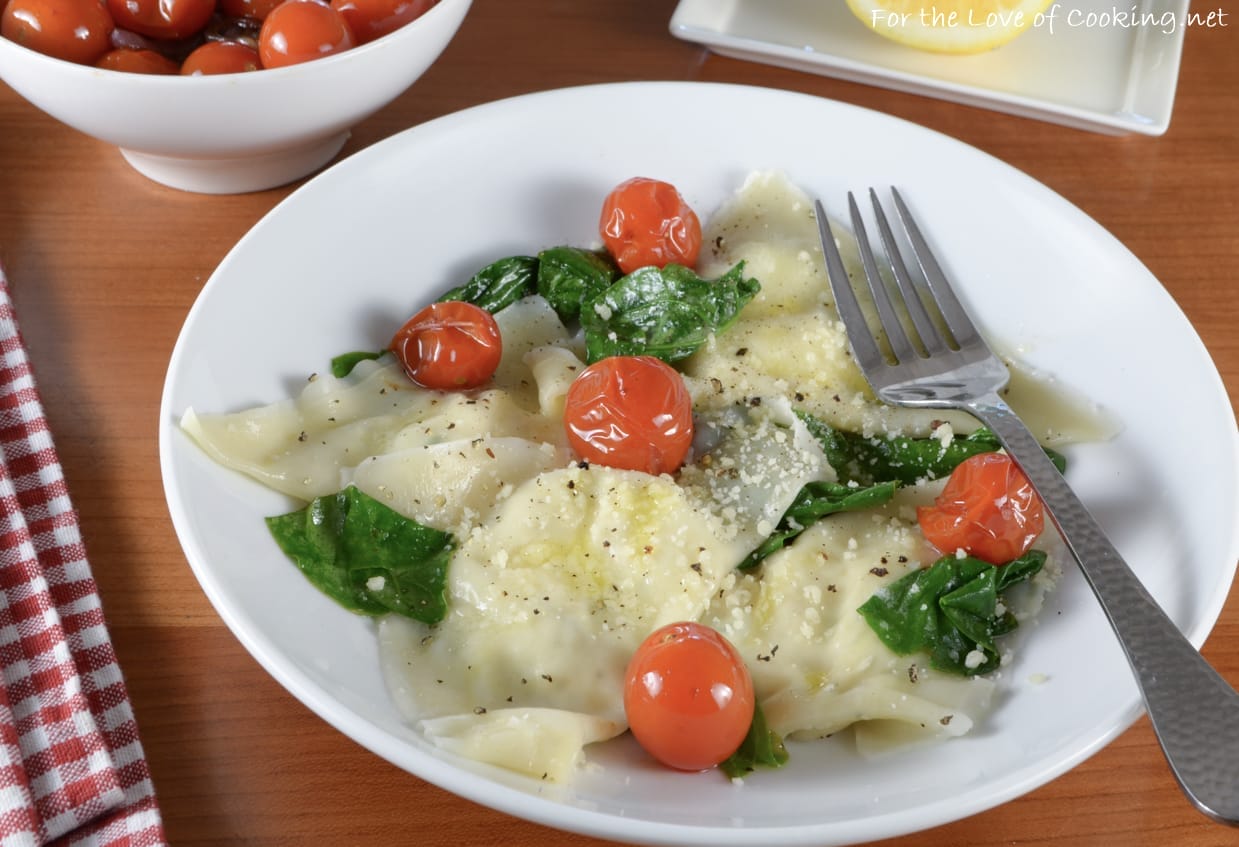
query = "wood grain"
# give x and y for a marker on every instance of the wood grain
(105, 265)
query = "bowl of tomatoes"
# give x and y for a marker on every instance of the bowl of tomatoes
(221, 96)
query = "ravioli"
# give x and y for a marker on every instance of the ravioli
(556, 587)
(561, 569)
(817, 667)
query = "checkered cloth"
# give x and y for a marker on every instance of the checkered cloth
(72, 770)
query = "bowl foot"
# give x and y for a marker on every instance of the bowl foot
(240, 174)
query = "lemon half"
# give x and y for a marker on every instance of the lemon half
(949, 26)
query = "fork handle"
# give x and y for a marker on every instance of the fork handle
(1193, 710)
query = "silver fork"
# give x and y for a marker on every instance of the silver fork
(1194, 712)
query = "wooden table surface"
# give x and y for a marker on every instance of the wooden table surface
(104, 266)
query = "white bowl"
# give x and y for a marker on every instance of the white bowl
(234, 133)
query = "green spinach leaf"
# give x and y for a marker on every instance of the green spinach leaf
(866, 460)
(664, 312)
(761, 747)
(950, 609)
(499, 284)
(570, 276)
(342, 365)
(367, 557)
(814, 501)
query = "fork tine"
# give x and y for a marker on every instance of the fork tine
(925, 328)
(866, 349)
(901, 346)
(953, 312)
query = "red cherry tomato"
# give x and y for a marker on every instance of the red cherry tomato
(220, 57)
(137, 62)
(300, 30)
(74, 30)
(255, 9)
(371, 19)
(646, 222)
(169, 19)
(988, 508)
(688, 696)
(630, 412)
(449, 346)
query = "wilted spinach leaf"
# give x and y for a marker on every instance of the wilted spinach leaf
(664, 312)
(367, 557)
(342, 365)
(570, 276)
(762, 747)
(869, 459)
(814, 501)
(499, 284)
(949, 609)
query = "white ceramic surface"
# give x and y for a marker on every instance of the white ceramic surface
(347, 257)
(1092, 64)
(237, 132)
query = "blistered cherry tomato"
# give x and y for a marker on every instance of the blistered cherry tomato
(988, 509)
(449, 346)
(220, 57)
(300, 30)
(137, 62)
(256, 9)
(646, 222)
(688, 696)
(371, 19)
(630, 412)
(74, 30)
(169, 19)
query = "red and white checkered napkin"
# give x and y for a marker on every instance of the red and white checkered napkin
(72, 770)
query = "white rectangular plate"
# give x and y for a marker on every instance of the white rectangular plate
(1091, 64)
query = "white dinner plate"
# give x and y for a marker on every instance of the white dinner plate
(1091, 64)
(346, 258)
